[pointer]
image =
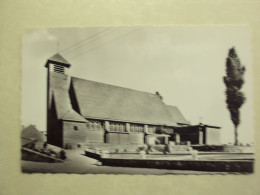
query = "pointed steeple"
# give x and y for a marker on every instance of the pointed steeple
(57, 59)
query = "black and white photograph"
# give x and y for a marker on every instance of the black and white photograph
(150, 100)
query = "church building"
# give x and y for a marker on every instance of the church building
(80, 111)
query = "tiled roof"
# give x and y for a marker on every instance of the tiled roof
(103, 101)
(63, 107)
(176, 114)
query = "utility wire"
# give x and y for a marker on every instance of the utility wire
(88, 51)
(82, 42)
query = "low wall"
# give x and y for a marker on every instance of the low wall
(209, 148)
(92, 155)
(245, 166)
(224, 148)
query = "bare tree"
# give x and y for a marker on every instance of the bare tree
(234, 81)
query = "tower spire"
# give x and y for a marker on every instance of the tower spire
(58, 46)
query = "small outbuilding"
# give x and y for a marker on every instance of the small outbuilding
(31, 134)
(199, 134)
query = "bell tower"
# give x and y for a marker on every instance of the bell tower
(57, 64)
(57, 79)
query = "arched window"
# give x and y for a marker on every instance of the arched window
(92, 125)
(111, 127)
(96, 125)
(136, 128)
(141, 128)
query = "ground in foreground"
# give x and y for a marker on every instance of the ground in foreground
(80, 164)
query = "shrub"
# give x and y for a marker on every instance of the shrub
(45, 145)
(68, 146)
(31, 145)
(166, 149)
(63, 155)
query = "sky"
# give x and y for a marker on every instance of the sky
(186, 64)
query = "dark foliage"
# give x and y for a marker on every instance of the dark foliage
(45, 145)
(63, 155)
(234, 82)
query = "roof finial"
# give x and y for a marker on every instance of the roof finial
(58, 46)
(200, 120)
(157, 93)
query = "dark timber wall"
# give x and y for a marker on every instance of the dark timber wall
(54, 127)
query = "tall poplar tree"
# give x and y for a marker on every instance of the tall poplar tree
(234, 81)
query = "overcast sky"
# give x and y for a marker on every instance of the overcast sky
(186, 64)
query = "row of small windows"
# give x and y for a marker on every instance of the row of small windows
(92, 125)
(121, 127)
(95, 125)
(117, 127)
(136, 128)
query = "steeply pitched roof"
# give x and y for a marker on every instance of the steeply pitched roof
(58, 59)
(63, 107)
(103, 101)
(176, 114)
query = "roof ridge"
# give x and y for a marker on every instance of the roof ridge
(114, 85)
(171, 105)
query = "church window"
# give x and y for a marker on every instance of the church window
(151, 129)
(75, 128)
(136, 128)
(121, 128)
(94, 125)
(111, 127)
(117, 127)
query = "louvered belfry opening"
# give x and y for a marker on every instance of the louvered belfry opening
(59, 69)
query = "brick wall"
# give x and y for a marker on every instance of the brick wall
(77, 133)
